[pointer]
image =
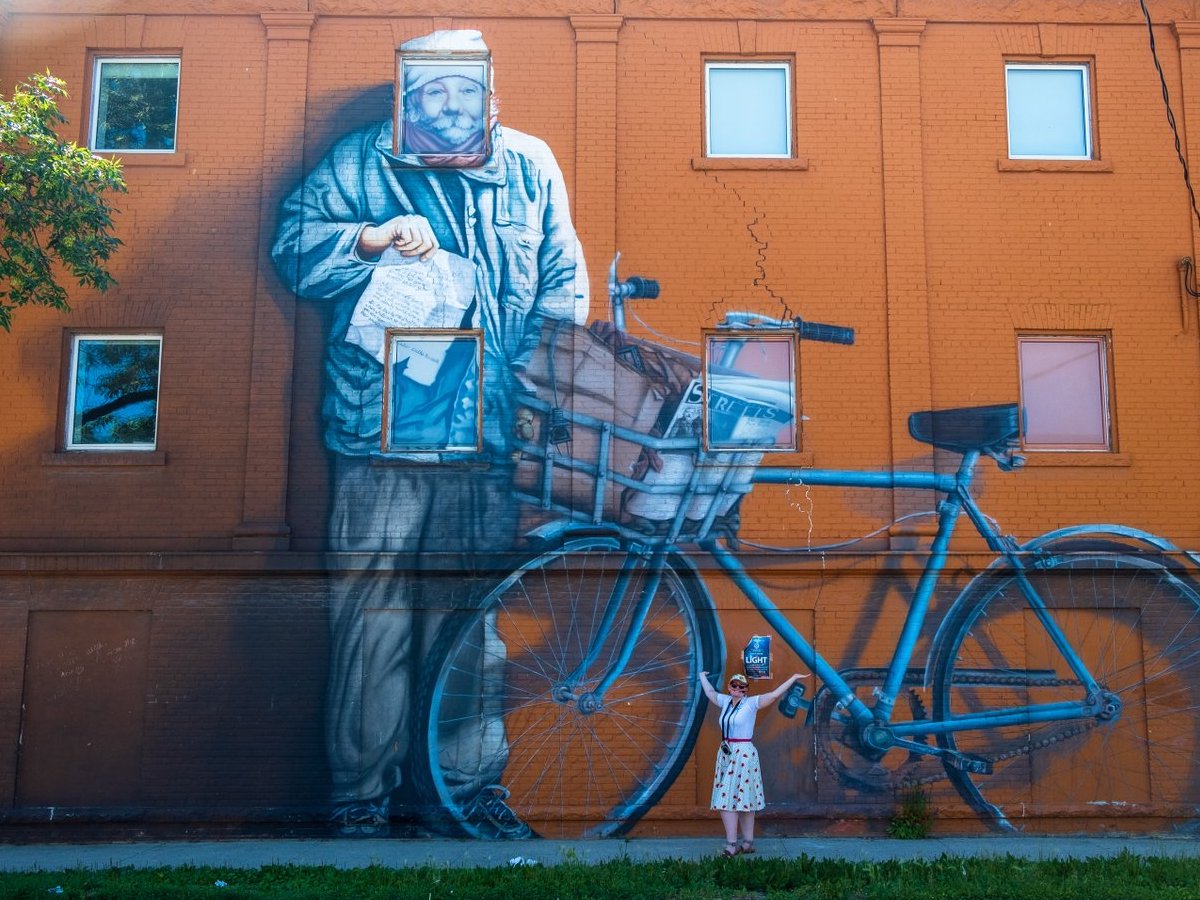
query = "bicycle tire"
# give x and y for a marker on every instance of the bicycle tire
(1135, 622)
(519, 761)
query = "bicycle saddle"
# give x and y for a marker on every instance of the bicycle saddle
(982, 428)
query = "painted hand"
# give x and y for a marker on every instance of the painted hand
(411, 235)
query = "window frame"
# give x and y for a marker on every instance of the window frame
(97, 60)
(793, 357)
(72, 385)
(1105, 358)
(391, 335)
(1088, 111)
(789, 103)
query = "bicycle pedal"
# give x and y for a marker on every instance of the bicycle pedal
(793, 701)
(976, 765)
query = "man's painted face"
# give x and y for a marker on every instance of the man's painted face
(451, 107)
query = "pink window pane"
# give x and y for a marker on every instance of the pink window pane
(1064, 390)
(751, 393)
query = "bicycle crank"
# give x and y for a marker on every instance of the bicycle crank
(865, 758)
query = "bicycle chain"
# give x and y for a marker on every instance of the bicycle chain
(920, 712)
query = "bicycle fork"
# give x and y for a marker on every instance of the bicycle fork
(636, 560)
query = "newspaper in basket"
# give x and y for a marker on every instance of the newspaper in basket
(743, 412)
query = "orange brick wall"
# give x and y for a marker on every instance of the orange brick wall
(901, 217)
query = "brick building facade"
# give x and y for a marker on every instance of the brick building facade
(164, 607)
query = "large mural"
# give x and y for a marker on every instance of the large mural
(473, 416)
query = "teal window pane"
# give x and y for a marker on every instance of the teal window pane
(136, 105)
(114, 396)
(748, 110)
(1048, 115)
(433, 393)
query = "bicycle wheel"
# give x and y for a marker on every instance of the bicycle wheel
(1135, 623)
(512, 745)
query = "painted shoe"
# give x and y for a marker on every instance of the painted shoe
(362, 818)
(494, 817)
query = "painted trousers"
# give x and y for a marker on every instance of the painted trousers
(385, 614)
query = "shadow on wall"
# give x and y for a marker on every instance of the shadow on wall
(329, 118)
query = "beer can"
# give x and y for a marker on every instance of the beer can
(756, 658)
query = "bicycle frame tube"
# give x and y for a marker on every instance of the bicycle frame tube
(956, 489)
(927, 481)
(958, 500)
(1047, 619)
(807, 653)
(997, 718)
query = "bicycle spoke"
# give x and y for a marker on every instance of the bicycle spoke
(1136, 626)
(575, 770)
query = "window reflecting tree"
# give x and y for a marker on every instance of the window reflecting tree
(116, 392)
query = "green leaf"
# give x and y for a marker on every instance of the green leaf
(53, 203)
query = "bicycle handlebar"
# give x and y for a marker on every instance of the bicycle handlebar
(638, 287)
(808, 331)
(819, 331)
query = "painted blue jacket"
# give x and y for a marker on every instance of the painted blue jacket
(510, 217)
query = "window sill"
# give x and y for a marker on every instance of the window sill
(1054, 165)
(431, 465)
(105, 458)
(749, 164)
(174, 159)
(1042, 459)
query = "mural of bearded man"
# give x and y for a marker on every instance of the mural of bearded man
(444, 110)
(418, 525)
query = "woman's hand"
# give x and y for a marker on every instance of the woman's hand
(767, 699)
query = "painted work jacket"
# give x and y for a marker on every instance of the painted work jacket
(511, 218)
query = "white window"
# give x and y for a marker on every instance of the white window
(750, 391)
(748, 109)
(1065, 392)
(1049, 111)
(112, 392)
(135, 103)
(432, 385)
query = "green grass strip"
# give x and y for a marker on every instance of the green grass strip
(1123, 877)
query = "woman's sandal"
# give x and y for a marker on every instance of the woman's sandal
(731, 849)
(746, 847)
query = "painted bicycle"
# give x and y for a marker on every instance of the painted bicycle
(568, 703)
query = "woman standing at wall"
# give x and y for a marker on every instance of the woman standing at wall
(737, 782)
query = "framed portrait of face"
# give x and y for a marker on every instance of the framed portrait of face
(443, 108)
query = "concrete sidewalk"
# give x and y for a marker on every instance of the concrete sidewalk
(350, 853)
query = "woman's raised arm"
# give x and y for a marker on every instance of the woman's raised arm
(709, 691)
(765, 700)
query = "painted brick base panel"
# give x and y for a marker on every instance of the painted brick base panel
(201, 701)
